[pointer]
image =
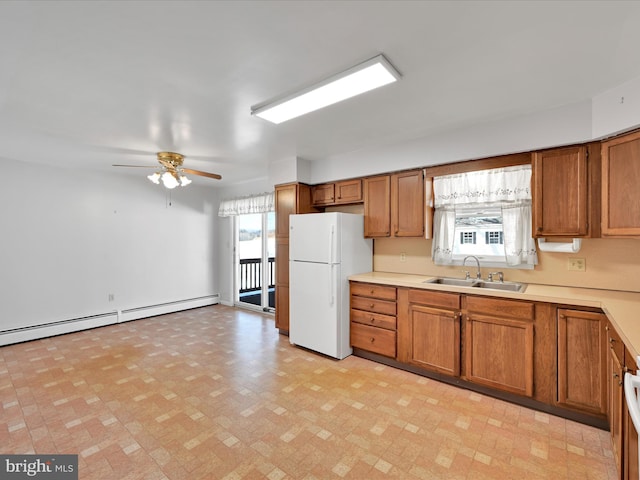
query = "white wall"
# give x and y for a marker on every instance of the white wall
(559, 126)
(71, 238)
(617, 109)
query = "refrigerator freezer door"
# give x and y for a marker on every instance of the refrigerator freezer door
(314, 309)
(314, 238)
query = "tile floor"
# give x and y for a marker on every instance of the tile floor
(217, 393)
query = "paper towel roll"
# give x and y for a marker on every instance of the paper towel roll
(560, 247)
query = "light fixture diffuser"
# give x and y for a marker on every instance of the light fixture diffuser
(362, 78)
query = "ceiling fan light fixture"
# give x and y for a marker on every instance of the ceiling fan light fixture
(184, 181)
(169, 180)
(154, 177)
(369, 75)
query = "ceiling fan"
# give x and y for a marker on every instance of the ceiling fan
(171, 172)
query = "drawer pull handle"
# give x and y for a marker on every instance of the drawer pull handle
(371, 306)
(372, 290)
(373, 339)
(373, 319)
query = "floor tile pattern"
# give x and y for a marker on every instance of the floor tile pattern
(217, 393)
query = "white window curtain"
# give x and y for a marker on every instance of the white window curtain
(260, 203)
(509, 188)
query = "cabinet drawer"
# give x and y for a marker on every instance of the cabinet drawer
(373, 339)
(436, 299)
(373, 319)
(382, 292)
(373, 305)
(501, 307)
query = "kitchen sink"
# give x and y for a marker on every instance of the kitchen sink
(461, 282)
(508, 286)
(458, 282)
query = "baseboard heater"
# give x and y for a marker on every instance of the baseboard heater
(33, 332)
(50, 329)
(168, 307)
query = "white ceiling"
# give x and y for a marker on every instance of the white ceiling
(89, 84)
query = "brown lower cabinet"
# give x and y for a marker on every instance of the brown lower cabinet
(623, 433)
(582, 366)
(499, 344)
(431, 331)
(559, 359)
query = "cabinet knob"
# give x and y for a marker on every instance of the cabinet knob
(371, 292)
(373, 320)
(373, 339)
(371, 306)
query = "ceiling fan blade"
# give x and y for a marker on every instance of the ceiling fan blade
(135, 166)
(202, 174)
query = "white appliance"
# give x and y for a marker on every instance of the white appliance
(631, 387)
(324, 250)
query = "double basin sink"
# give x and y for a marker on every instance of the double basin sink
(478, 283)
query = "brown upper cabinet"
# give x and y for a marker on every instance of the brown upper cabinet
(620, 180)
(289, 199)
(394, 205)
(566, 199)
(338, 193)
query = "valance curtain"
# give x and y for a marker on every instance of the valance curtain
(260, 203)
(508, 188)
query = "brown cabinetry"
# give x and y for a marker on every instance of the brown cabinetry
(289, 199)
(499, 344)
(394, 205)
(582, 380)
(561, 193)
(620, 180)
(377, 206)
(630, 434)
(338, 193)
(373, 318)
(429, 331)
(615, 362)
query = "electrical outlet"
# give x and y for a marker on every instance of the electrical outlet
(577, 264)
(403, 257)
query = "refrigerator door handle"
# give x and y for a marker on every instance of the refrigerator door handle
(331, 233)
(331, 295)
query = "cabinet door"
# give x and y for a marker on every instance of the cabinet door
(499, 353)
(377, 206)
(285, 199)
(620, 180)
(349, 191)
(282, 307)
(435, 339)
(615, 406)
(630, 433)
(323, 194)
(582, 361)
(407, 204)
(560, 192)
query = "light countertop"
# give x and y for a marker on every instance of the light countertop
(622, 308)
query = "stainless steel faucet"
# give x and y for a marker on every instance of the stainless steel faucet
(478, 274)
(500, 276)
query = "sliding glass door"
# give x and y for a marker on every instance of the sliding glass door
(255, 260)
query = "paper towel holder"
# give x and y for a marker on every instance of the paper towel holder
(560, 247)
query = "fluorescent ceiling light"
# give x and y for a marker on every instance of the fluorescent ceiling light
(366, 76)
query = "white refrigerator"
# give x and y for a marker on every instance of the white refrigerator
(324, 250)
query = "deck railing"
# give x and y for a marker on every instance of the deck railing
(251, 274)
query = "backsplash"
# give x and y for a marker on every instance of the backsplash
(611, 264)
